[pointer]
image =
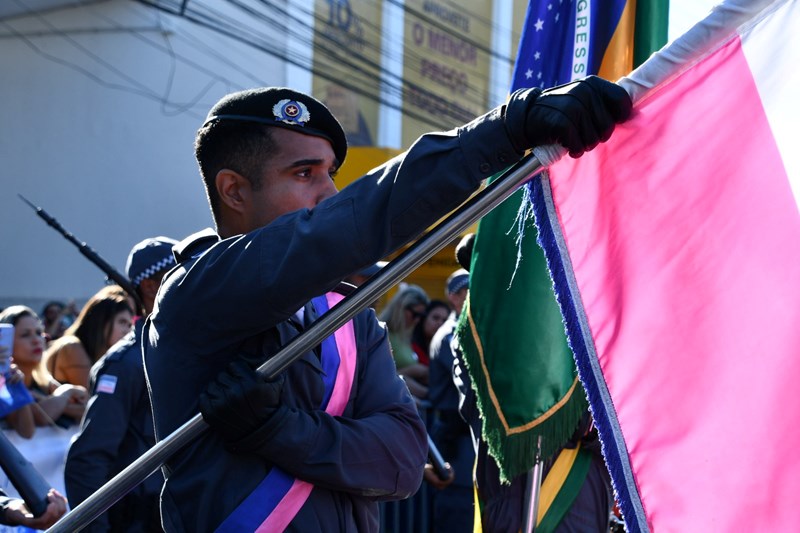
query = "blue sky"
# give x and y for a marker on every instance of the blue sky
(683, 14)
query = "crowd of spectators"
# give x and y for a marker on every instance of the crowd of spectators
(53, 357)
(85, 415)
(104, 320)
(54, 362)
(53, 353)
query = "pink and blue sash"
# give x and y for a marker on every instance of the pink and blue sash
(277, 499)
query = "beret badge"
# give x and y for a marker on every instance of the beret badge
(291, 112)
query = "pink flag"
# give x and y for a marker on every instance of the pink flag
(675, 249)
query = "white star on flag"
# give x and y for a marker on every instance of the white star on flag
(529, 74)
(539, 25)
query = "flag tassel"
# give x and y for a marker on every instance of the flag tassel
(517, 445)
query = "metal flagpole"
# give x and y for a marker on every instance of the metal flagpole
(469, 213)
(532, 491)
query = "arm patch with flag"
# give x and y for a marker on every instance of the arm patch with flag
(106, 384)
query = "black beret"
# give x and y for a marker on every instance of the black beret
(282, 108)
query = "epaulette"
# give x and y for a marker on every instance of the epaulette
(197, 242)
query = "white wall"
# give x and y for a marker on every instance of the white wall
(98, 109)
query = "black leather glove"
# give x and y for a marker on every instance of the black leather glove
(240, 401)
(578, 115)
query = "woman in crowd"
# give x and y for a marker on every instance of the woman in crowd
(436, 313)
(105, 319)
(401, 314)
(62, 404)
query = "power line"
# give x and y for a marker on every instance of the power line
(475, 93)
(358, 63)
(234, 29)
(133, 85)
(347, 66)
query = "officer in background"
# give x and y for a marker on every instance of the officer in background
(117, 427)
(502, 506)
(452, 505)
(278, 456)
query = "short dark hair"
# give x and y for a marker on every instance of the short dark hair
(241, 146)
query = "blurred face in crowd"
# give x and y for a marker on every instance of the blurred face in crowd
(457, 299)
(119, 327)
(414, 314)
(28, 341)
(52, 312)
(434, 320)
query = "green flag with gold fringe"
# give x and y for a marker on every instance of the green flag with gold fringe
(511, 331)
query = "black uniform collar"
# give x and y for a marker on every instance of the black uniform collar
(197, 242)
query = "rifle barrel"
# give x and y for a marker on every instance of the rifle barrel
(88, 253)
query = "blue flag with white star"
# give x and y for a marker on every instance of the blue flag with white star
(564, 40)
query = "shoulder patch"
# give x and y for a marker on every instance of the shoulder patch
(106, 384)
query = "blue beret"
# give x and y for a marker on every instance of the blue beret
(283, 108)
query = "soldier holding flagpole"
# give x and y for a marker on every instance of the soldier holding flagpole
(317, 447)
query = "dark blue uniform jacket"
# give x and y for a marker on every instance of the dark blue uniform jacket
(449, 431)
(116, 429)
(233, 298)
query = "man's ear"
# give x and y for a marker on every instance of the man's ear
(233, 189)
